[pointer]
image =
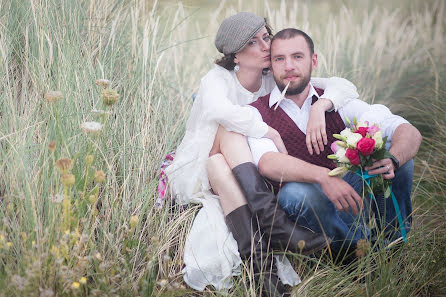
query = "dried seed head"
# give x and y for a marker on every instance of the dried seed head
(52, 146)
(109, 97)
(134, 221)
(64, 165)
(91, 127)
(99, 176)
(53, 96)
(89, 159)
(104, 83)
(92, 199)
(362, 248)
(301, 244)
(163, 282)
(67, 179)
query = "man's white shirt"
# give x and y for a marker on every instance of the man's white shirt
(355, 108)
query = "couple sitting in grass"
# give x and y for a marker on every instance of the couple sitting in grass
(261, 92)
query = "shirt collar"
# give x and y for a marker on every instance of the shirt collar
(275, 95)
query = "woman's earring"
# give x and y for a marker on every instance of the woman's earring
(236, 68)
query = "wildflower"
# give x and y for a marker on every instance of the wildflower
(53, 96)
(75, 285)
(362, 248)
(64, 165)
(133, 221)
(104, 83)
(99, 176)
(89, 159)
(91, 127)
(109, 97)
(83, 280)
(9, 244)
(67, 179)
(52, 146)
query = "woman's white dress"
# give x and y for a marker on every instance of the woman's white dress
(211, 255)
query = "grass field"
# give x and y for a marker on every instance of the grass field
(87, 225)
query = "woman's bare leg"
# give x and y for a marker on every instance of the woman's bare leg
(224, 184)
(233, 146)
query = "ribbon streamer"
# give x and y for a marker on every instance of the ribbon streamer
(366, 177)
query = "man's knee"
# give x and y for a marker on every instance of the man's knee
(295, 197)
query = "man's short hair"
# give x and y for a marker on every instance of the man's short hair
(291, 33)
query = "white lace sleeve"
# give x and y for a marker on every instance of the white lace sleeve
(338, 90)
(217, 106)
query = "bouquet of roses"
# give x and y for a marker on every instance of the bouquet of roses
(358, 146)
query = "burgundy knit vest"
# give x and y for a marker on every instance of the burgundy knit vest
(294, 138)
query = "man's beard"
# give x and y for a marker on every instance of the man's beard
(294, 90)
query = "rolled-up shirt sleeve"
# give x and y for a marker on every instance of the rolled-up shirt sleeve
(260, 146)
(217, 106)
(337, 89)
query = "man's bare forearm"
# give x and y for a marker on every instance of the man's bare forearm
(285, 168)
(406, 141)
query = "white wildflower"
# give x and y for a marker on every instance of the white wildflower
(91, 127)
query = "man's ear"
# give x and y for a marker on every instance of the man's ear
(314, 60)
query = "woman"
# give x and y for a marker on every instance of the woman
(217, 127)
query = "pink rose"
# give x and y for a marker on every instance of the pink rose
(334, 147)
(353, 156)
(372, 130)
(362, 130)
(365, 146)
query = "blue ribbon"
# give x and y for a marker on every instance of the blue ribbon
(366, 177)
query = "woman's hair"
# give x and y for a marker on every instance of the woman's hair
(227, 61)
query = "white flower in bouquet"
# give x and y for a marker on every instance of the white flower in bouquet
(378, 137)
(340, 155)
(353, 139)
(346, 133)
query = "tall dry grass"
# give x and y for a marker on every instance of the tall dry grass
(154, 54)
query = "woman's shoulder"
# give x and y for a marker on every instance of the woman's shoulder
(217, 73)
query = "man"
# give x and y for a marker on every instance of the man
(307, 193)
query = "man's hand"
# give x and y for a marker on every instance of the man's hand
(384, 167)
(341, 194)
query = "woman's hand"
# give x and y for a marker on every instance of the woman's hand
(275, 137)
(316, 132)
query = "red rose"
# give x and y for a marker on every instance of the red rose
(353, 156)
(362, 131)
(365, 146)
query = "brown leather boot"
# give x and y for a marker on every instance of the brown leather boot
(252, 246)
(274, 222)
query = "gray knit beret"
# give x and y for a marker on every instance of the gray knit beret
(235, 32)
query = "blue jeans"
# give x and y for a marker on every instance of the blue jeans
(307, 204)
